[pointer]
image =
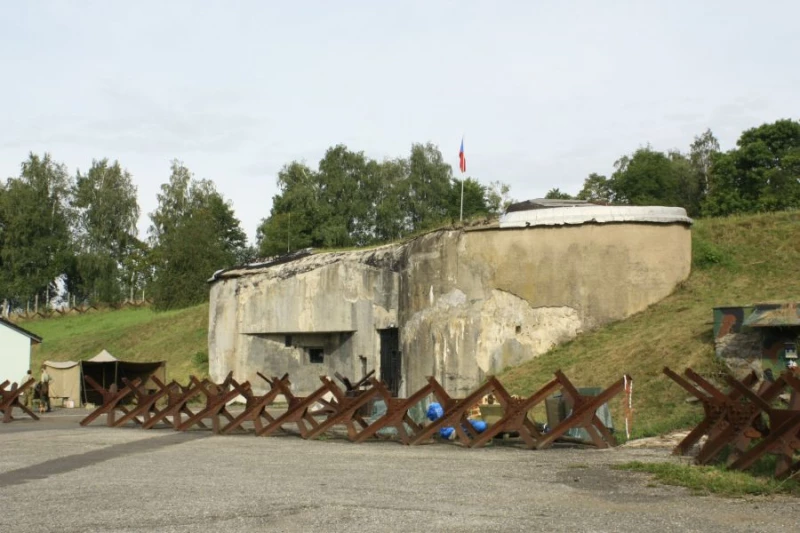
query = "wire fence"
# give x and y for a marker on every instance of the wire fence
(67, 308)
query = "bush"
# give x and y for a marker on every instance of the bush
(200, 359)
(706, 254)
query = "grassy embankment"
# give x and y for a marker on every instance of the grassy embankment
(178, 337)
(737, 261)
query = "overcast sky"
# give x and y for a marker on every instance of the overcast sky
(545, 92)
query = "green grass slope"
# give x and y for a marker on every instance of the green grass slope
(736, 261)
(178, 337)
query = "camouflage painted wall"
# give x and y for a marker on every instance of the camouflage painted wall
(756, 336)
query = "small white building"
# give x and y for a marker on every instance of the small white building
(15, 351)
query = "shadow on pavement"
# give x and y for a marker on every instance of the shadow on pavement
(74, 462)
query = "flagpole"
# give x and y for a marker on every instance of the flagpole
(461, 216)
(461, 156)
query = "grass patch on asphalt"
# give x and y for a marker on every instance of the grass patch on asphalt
(715, 479)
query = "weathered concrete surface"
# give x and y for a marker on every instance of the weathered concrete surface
(472, 303)
(58, 477)
(467, 303)
(267, 320)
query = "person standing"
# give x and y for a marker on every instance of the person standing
(44, 391)
(27, 398)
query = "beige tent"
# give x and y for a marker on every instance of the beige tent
(66, 380)
(103, 357)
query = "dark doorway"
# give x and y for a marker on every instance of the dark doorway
(390, 359)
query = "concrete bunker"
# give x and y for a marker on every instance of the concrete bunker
(457, 304)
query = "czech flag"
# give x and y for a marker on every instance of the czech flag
(462, 160)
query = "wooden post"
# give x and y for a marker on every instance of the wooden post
(36, 304)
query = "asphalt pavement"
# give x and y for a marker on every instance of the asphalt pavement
(56, 476)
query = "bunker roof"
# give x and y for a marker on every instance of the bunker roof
(530, 213)
(774, 315)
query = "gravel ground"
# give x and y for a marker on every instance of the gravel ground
(57, 476)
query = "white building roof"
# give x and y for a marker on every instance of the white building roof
(10, 325)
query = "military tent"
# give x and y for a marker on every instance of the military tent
(105, 369)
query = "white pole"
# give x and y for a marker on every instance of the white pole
(461, 217)
(460, 155)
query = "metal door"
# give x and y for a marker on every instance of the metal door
(391, 370)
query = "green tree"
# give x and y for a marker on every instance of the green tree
(474, 200)
(37, 236)
(177, 199)
(645, 178)
(194, 233)
(351, 200)
(107, 211)
(497, 197)
(761, 174)
(596, 189)
(295, 213)
(332, 207)
(225, 226)
(702, 153)
(429, 184)
(689, 181)
(649, 177)
(556, 194)
(137, 268)
(347, 186)
(282, 233)
(391, 219)
(189, 254)
(182, 196)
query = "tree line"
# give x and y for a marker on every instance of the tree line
(63, 234)
(76, 235)
(351, 200)
(761, 174)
